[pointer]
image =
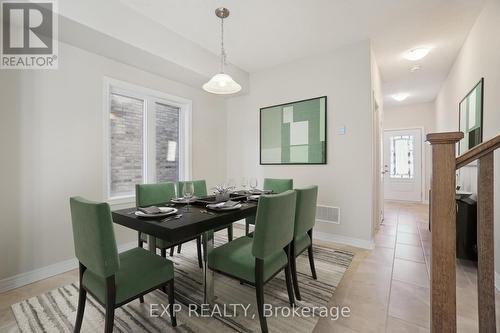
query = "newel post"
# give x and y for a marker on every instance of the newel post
(443, 232)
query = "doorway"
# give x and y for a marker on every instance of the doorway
(403, 164)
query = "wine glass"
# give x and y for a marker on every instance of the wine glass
(253, 184)
(244, 183)
(188, 193)
(231, 184)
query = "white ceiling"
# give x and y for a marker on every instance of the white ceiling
(261, 34)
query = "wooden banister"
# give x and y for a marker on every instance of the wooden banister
(478, 151)
(485, 243)
(443, 230)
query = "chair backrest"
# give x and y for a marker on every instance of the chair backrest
(278, 185)
(154, 194)
(305, 210)
(95, 244)
(274, 223)
(200, 187)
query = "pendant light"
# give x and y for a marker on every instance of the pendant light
(222, 83)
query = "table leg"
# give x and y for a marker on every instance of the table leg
(152, 244)
(208, 274)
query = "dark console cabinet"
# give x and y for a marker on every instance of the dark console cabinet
(467, 229)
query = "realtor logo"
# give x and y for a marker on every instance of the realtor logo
(29, 35)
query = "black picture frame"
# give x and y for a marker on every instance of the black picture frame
(288, 103)
(481, 83)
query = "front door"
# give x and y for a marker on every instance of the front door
(403, 165)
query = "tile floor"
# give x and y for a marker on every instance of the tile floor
(387, 288)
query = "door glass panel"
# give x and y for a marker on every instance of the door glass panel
(402, 159)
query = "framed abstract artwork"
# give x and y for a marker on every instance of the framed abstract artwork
(294, 133)
(471, 118)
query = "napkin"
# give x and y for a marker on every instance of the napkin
(150, 210)
(227, 204)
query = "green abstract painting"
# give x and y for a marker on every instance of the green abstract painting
(471, 118)
(294, 133)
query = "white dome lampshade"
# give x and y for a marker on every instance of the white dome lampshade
(222, 84)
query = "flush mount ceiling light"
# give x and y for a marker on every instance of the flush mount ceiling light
(417, 54)
(400, 97)
(222, 83)
(415, 68)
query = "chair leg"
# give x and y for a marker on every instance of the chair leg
(164, 253)
(139, 240)
(110, 304)
(172, 251)
(230, 233)
(110, 318)
(179, 248)
(82, 297)
(311, 262)
(288, 278)
(247, 228)
(171, 298)
(259, 291)
(198, 248)
(293, 268)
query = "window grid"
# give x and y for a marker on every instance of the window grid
(402, 157)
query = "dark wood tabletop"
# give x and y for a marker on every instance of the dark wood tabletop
(190, 225)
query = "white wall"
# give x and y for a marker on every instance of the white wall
(411, 116)
(51, 143)
(479, 57)
(346, 181)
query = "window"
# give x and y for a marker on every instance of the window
(147, 138)
(402, 162)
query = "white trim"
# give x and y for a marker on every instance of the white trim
(149, 96)
(42, 273)
(497, 281)
(334, 238)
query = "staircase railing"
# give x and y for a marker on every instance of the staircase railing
(443, 230)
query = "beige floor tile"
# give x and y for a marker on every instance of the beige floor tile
(408, 228)
(410, 272)
(385, 241)
(410, 239)
(410, 303)
(410, 252)
(395, 325)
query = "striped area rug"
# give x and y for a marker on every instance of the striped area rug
(55, 311)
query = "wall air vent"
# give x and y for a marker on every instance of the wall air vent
(328, 214)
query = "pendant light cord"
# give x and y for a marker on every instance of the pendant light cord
(222, 51)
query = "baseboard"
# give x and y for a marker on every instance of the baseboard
(42, 273)
(333, 238)
(497, 281)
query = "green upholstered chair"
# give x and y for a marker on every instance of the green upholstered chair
(157, 194)
(275, 185)
(256, 260)
(113, 278)
(305, 217)
(200, 190)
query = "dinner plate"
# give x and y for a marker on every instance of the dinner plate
(258, 192)
(165, 211)
(216, 207)
(184, 201)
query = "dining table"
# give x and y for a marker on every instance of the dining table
(195, 220)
